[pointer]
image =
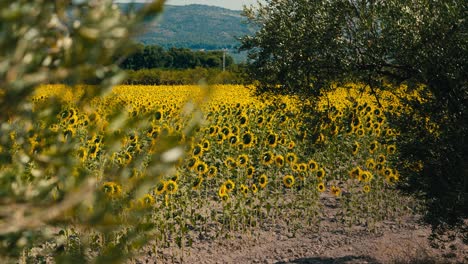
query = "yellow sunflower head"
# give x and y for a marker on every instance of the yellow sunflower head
(262, 181)
(321, 187)
(335, 190)
(288, 181)
(230, 185)
(313, 165)
(171, 187)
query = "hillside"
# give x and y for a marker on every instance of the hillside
(195, 27)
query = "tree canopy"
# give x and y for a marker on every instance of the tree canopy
(305, 47)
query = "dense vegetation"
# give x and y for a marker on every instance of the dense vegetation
(306, 47)
(153, 65)
(153, 56)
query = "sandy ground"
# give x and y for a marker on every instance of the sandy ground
(393, 242)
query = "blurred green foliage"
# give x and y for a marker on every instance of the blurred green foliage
(52, 205)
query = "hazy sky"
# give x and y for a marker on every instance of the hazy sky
(231, 4)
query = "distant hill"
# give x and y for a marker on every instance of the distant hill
(196, 27)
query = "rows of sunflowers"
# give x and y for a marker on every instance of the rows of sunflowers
(251, 160)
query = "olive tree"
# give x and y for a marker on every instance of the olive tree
(304, 47)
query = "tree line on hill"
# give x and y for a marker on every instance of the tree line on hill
(154, 56)
(154, 65)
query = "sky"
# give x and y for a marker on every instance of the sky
(230, 4)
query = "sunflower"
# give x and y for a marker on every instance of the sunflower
(291, 145)
(370, 163)
(254, 188)
(233, 139)
(295, 167)
(359, 132)
(160, 188)
(230, 185)
(147, 200)
(260, 120)
(225, 131)
(391, 149)
(282, 119)
(313, 166)
(356, 122)
(158, 115)
(230, 162)
(302, 167)
(288, 181)
(220, 137)
(197, 150)
(212, 171)
(377, 112)
(213, 130)
(201, 167)
(250, 172)
(243, 120)
(365, 176)
(267, 158)
(223, 191)
(366, 188)
(69, 132)
(272, 139)
(243, 160)
(205, 145)
(381, 159)
(262, 181)
(355, 148)
(291, 158)
(368, 125)
(373, 146)
(388, 132)
(376, 126)
(335, 190)
(192, 162)
(175, 177)
(247, 139)
(171, 187)
(320, 173)
(387, 172)
(197, 183)
(321, 187)
(279, 160)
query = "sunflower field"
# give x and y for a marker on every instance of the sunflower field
(246, 162)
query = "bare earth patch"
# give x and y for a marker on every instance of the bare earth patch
(331, 242)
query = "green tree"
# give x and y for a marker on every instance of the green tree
(304, 47)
